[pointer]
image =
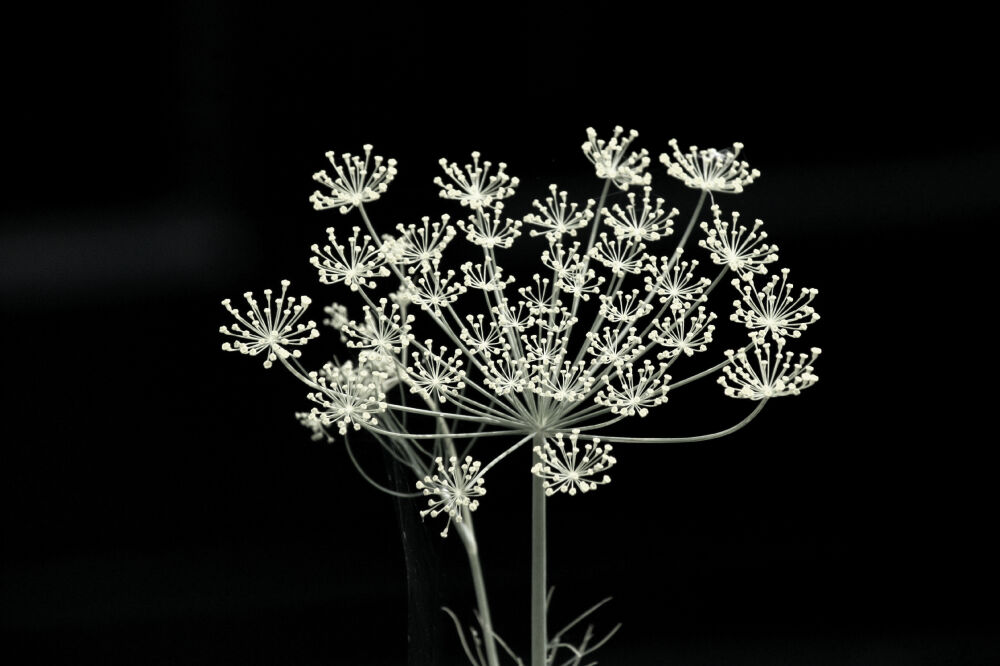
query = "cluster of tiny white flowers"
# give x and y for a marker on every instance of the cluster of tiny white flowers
(742, 249)
(612, 161)
(452, 489)
(508, 359)
(770, 376)
(355, 267)
(348, 395)
(358, 181)
(559, 217)
(272, 329)
(712, 170)
(566, 471)
(651, 224)
(775, 308)
(475, 187)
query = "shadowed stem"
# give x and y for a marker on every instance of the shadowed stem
(467, 533)
(539, 633)
(468, 536)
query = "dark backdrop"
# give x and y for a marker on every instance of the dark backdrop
(161, 505)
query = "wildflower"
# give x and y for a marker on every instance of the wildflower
(651, 224)
(355, 184)
(567, 471)
(435, 376)
(356, 267)
(484, 277)
(710, 170)
(348, 396)
(543, 351)
(506, 374)
(434, 291)
(423, 246)
(476, 189)
(636, 394)
(452, 489)
(624, 307)
(742, 250)
(539, 298)
(571, 273)
(611, 161)
(371, 370)
(384, 333)
(775, 308)
(514, 318)
(270, 330)
(487, 229)
(613, 349)
(570, 383)
(483, 339)
(769, 377)
(621, 255)
(559, 217)
(675, 284)
(685, 335)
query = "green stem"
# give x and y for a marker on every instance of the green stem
(468, 536)
(687, 231)
(539, 637)
(467, 533)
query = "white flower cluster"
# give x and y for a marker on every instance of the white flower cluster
(712, 170)
(358, 181)
(604, 329)
(566, 471)
(270, 330)
(452, 489)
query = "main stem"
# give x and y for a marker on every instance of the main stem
(539, 629)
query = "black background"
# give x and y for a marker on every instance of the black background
(160, 504)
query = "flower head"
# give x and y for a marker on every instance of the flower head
(421, 246)
(436, 375)
(770, 376)
(475, 187)
(685, 335)
(650, 224)
(612, 162)
(775, 309)
(383, 333)
(742, 250)
(354, 264)
(635, 390)
(488, 229)
(566, 471)
(452, 489)
(621, 254)
(357, 181)
(710, 170)
(272, 329)
(558, 216)
(675, 283)
(614, 347)
(349, 395)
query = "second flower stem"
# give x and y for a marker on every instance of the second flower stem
(468, 535)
